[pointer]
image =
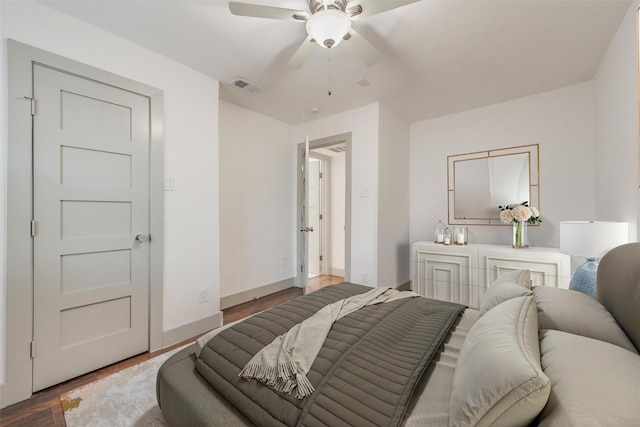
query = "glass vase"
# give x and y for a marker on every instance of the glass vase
(520, 235)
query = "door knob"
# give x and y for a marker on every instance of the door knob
(141, 237)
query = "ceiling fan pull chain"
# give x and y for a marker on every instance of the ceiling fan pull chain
(329, 70)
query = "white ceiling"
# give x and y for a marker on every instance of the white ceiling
(440, 56)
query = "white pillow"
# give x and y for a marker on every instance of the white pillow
(501, 292)
(577, 313)
(595, 383)
(521, 277)
(498, 380)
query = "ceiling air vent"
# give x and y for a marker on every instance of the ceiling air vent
(338, 148)
(245, 85)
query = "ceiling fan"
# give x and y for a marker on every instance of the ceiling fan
(328, 22)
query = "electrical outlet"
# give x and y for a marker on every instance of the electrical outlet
(365, 278)
(284, 261)
(203, 295)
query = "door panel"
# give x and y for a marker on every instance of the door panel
(91, 169)
(94, 168)
(109, 218)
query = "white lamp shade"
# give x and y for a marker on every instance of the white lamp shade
(592, 239)
(328, 27)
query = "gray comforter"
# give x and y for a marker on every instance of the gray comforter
(364, 374)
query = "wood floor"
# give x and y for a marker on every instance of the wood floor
(43, 408)
(322, 281)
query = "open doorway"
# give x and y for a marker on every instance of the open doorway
(317, 216)
(327, 169)
(323, 250)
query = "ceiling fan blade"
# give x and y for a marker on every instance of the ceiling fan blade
(362, 49)
(361, 9)
(259, 11)
(301, 54)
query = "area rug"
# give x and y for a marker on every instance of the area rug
(126, 398)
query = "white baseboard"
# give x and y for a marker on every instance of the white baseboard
(337, 272)
(259, 292)
(191, 330)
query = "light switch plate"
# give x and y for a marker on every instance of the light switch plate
(169, 183)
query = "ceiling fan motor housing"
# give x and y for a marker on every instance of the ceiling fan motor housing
(328, 23)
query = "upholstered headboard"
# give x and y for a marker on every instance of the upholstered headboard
(619, 287)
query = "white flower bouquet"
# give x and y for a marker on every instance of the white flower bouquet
(519, 212)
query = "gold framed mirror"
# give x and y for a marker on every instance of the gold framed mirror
(478, 182)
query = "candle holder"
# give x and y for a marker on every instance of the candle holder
(438, 232)
(447, 238)
(460, 234)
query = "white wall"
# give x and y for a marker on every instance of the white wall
(191, 259)
(337, 207)
(257, 204)
(561, 121)
(616, 128)
(394, 254)
(379, 190)
(3, 197)
(362, 123)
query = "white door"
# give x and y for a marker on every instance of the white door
(303, 214)
(315, 231)
(91, 212)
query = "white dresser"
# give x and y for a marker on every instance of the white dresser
(462, 273)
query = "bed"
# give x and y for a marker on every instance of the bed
(528, 356)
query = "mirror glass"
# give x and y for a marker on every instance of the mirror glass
(484, 184)
(480, 182)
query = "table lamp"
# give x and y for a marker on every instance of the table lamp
(590, 239)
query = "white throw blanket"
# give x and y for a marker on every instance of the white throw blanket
(285, 362)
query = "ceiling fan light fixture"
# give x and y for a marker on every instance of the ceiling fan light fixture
(328, 27)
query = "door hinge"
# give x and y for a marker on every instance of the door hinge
(320, 216)
(320, 175)
(34, 228)
(320, 257)
(33, 349)
(301, 268)
(33, 104)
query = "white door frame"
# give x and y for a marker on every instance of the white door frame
(19, 377)
(301, 273)
(302, 215)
